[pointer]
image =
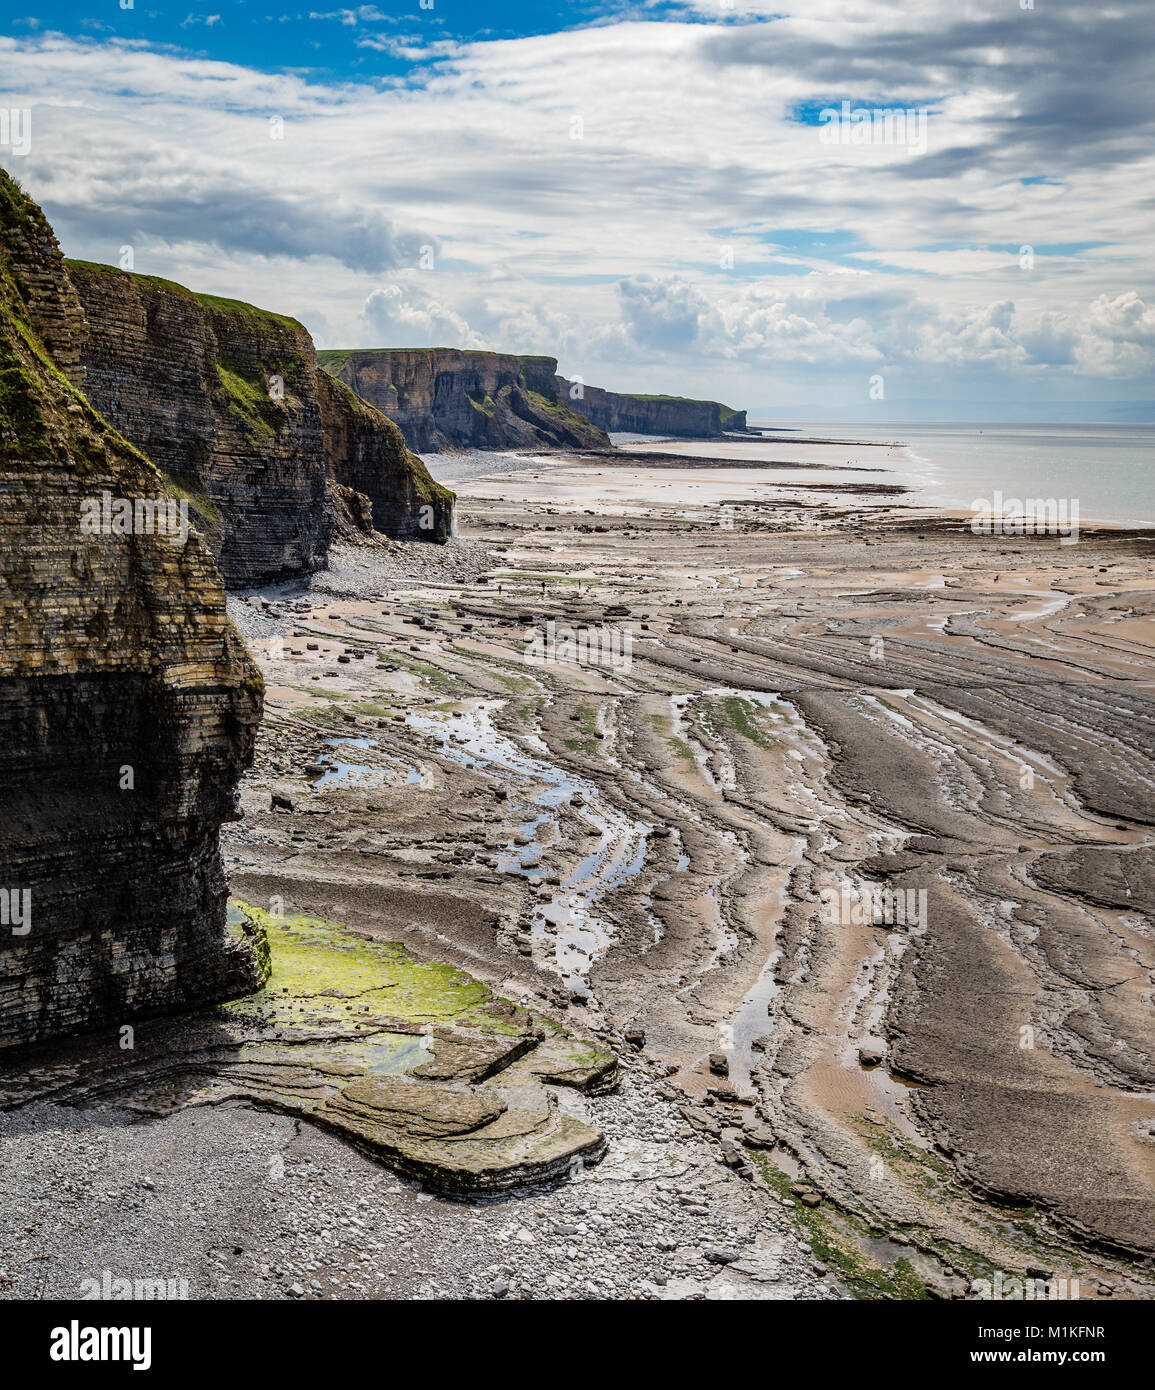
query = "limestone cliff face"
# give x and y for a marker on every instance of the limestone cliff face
(187, 380)
(445, 398)
(366, 454)
(226, 399)
(128, 704)
(674, 415)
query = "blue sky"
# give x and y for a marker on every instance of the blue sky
(664, 196)
(333, 41)
(326, 38)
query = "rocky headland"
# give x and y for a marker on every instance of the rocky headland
(273, 456)
(446, 399)
(449, 398)
(128, 703)
(678, 416)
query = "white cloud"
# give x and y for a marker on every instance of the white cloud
(397, 317)
(661, 314)
(606, 249)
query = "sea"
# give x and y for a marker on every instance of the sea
(1108, 469)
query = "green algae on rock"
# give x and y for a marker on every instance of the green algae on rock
(449, 1082)
(420, 1065)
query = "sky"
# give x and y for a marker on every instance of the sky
(699, 197)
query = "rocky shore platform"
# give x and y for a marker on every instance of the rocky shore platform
(839, 853)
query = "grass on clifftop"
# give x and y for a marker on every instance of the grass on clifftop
(237, 307)
(102, 269)
(727, 412)
(328, 356)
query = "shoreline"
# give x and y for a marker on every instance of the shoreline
(465, 467)
(692, 738)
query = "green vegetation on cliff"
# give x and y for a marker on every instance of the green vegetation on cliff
(566, 418)
(248, 398)
(727, 412)
(239, 309)
(118, 650)
(227, 399)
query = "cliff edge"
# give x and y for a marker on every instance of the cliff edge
(226, 399)
(619, 413)
(447, 398)
(128, 704)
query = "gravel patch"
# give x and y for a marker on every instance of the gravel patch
(241, 1204)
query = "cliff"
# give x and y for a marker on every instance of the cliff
(445, 398)
(365, 452)
(226, 399)
(674, 415)
(128, 704)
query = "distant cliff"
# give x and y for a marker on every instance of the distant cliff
(445, 398)
(365, 452)
(674, 415)
(128, 704)
(227, 401)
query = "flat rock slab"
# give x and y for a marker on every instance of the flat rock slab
(420, 1109)
(420, 1065)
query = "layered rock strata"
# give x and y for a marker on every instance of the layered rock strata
(227, 401)
(445, 398)
(419, 1065)
(128, 704)
(619, 413)
(365, 453)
